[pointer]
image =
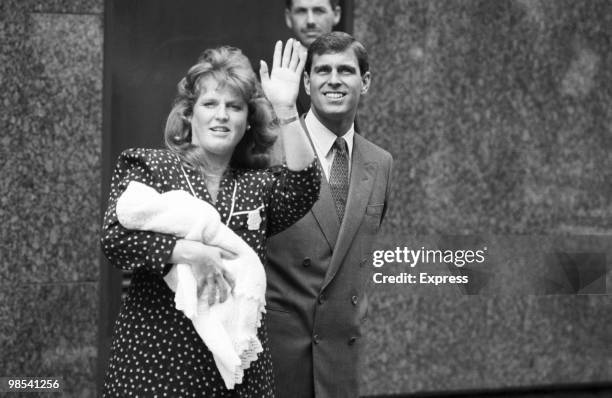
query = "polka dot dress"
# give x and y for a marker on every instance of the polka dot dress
(156, 351)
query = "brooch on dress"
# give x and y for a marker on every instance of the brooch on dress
(254, 219)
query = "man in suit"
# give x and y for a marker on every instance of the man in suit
(307, 20)
(319, 268)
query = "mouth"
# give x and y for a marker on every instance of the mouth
(220, 130)
(334, 95)
(312, 33)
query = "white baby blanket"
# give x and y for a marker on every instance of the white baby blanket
(228, 329)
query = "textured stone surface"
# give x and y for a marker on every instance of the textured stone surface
(51, 148)
(499, 116)
(420, 343)
(50, 331)
(68, 6)
(497, 112)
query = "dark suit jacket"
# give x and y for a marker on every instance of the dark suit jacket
(302, 103)
(317, 273)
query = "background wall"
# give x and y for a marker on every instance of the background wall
(51, 102)
(498, 114)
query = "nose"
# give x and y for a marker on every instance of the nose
(334, 78)
(221, 113)
(310, 18)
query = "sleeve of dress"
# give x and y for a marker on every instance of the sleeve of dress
(291, 195)
(131, 249)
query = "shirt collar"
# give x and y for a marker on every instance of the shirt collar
(323, 138)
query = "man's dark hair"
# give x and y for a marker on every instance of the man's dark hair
(333, 3)
(337, 42)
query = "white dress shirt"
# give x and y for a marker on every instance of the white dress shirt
(323, 140)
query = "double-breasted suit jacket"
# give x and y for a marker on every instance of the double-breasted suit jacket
(317, 274)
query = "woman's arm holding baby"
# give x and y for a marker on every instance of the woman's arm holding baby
(206, 264)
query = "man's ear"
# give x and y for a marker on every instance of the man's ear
(365, 82)
(307, 83)
(337, 15)
(288, 20)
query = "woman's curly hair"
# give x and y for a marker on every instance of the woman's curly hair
(226, 65)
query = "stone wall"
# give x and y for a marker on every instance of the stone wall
(499, 117)
(51, 100)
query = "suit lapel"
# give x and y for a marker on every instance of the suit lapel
(360, 186)
(324, 210)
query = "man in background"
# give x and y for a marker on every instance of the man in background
(307, 20)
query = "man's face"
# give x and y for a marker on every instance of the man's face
(309, 19)
(335, 85)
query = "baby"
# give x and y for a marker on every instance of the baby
(228, 329)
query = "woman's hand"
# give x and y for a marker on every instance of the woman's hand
(281, 86)
(213, 280)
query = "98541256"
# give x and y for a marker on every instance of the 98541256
(30, 384)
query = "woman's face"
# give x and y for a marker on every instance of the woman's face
(219, 118)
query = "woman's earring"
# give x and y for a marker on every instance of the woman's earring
(248, 127)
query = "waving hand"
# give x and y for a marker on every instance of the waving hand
(281, 86)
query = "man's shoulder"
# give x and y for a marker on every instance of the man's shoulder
(372, 149)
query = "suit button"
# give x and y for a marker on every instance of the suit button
(354, 300)
(306, 262)
(316, 339)
(352, 340)
(321, 298)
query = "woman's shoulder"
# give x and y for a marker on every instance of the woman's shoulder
(148, 156)
(149, 166)
(254, 176)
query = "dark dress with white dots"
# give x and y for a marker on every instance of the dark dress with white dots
(156, 350)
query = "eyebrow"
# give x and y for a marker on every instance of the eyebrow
(321, 68)
(302, 9)
(348, 68)
(341, 68)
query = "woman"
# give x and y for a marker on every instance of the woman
(218, 142)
